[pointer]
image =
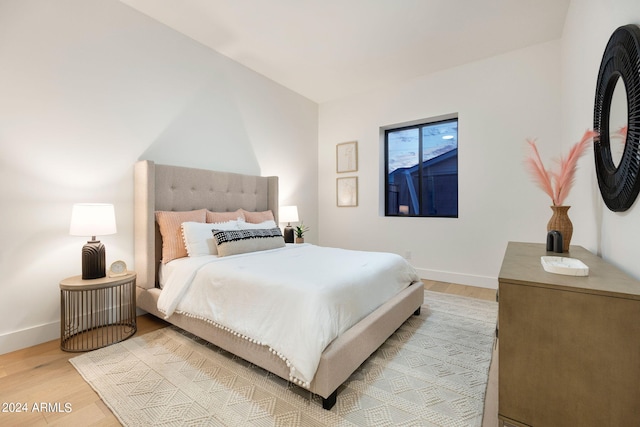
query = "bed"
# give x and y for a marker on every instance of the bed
(173, 188)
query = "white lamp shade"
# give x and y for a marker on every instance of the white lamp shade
(288, 214)
(92, 219)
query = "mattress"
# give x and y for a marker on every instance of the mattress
(295, 300)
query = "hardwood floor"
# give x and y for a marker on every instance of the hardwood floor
(463, 290)
(42, 374)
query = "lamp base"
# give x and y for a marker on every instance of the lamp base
(288, 234)
(93, 260)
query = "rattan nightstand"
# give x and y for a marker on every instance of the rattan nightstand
(96, 313)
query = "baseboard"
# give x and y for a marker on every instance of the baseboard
(24, 338)
(28, 337)
(458, 278)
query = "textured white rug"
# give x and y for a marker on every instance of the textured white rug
(432, 372)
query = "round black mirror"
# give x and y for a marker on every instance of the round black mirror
(618, 81)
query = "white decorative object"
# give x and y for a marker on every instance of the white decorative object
(564, 265)
(118, 268)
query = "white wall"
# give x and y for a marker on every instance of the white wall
(88, 88)
(546, 91)
(589, 24)
(500, 102)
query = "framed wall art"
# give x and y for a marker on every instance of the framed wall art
(347, 157)
(347, 191)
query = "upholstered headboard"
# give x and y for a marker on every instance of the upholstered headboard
(176, 188)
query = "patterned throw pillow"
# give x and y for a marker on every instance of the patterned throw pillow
(235, 242)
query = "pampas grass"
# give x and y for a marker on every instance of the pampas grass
(557, 184)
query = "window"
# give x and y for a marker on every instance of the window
(421, 170)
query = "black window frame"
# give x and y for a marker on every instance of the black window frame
(421, 173)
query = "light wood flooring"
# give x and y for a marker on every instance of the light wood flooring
(42, 374)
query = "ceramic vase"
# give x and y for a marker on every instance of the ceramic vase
(560, 221)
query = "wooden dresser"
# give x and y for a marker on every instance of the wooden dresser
(569, 347)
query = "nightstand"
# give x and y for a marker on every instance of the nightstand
(96, 313)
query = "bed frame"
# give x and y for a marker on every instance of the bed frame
(174, 188)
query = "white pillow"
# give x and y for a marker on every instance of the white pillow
(250, 226)
(198, 236)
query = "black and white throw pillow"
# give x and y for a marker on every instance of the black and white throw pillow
(232, 242)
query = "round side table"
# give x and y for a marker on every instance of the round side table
(98, 312)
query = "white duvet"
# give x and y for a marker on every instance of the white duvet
(295, 300)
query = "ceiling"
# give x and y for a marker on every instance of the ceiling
(329, 49)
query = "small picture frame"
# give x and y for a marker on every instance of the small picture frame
(347, 157)
(347, 191)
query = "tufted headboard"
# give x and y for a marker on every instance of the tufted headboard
(176, 188)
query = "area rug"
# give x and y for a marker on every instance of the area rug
(431, 372)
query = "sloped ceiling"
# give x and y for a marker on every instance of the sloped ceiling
(328, 49)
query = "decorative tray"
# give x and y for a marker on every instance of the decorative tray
(564, 265)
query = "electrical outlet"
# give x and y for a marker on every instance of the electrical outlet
(407, 255)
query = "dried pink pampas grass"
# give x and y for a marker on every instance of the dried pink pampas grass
(556, 184)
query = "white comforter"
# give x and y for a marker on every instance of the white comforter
(295, 300)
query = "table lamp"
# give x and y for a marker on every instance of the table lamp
(93, 219)
(288, 214)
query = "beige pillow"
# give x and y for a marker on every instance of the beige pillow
(258, 217)
(243, 241)
(224, 216)
(170, 228)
